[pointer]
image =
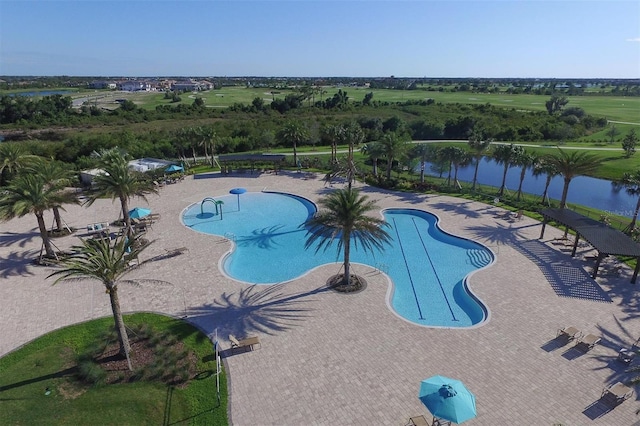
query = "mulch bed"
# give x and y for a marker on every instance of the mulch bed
(356, 283)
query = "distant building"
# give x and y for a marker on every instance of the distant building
(102, 85)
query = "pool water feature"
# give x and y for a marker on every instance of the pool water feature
(428, 267)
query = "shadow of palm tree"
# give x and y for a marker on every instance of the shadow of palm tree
(266, 309)
(8, 239)
(17, 263)
(467, 209)
(264, 238)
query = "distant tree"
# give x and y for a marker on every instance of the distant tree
(367, 98)
(423, 152)
(12, 158)
(544, 167)
(525, 160)
(555, 104)
(375, 151)
(394, 147)
(293, 133)
(612, 133)
(478, 146)
(571, 164)
(629, 143)
(258, 103)
(631, 182)
(506, 155)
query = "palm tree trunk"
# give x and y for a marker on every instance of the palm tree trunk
(504, 179)
(475, 175)
(635, 216)
(389, 167)
(375, 167)
(546, 187)
(522, 175)
(347, 258)
(123, 338)
(565, 191)
(58, 219)
(295, 154)
(422, 172)
(124, 202)
(44, 235)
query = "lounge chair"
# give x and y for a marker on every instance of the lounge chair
(418, 421)
(588, 342)
(616, 394)
(569, 333)
(626, 356)
(248, 342)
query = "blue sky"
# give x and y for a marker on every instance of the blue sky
(482, 38)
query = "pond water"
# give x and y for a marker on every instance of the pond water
(583, 190)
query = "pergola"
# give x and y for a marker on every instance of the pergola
(606, 240)
(252, 159)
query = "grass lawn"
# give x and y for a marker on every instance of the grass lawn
(48, 363)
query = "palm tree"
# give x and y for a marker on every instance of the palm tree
(12, 159)
(454, 156)
(293, 133)
(570, 165)
(345, 216)
(393, 148)
(352, 135)
(631, 182)
(423, 152)
(119, 181)
(506, 155)
(460, 158)
(525, 160)
(101, 261)
(59, 176)
(331, 133)
(478, 147)
(30, 194)
(543, 166)
(373, 150)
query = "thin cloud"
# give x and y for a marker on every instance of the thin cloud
(637, 39)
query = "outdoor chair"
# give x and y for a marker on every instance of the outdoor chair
(418, 421)
(626, 356)
(588, 342)
(569, 333)
(616, 394)
(248, 342)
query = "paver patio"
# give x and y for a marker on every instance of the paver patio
(329, 358)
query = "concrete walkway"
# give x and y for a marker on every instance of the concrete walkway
(329, 358)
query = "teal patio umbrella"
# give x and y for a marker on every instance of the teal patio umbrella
(173, 168)
(447, 399)
(139, 212)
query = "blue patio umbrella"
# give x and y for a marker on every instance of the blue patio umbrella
(173, 168)
(238, 191)
(447, 399)
(139, 212)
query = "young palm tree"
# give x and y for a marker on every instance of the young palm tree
(394, 147)
(12, 159)
(506, 155)
(30, 194)
(461, 158)
(331, 133)
(572, 164)
(631, 182)
(101, 261)
(478, 147)
(344, 217)
(119, 181)
(423, 152)
(525, 160)
(56, 175)
(543, 166)
(293, 133)
(373, 150)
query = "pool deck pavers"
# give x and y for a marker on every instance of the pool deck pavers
(329, 358)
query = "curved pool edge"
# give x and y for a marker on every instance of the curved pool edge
(465, 280)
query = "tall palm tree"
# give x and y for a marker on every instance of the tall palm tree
(394, 148)
(331, 133)
(57, 175)
(30, 194)
(454, 156)
(478, 146)
(119, 181)
(373, 150)
(525, 160)
(544, 167)
(101, 261)
(506, 155)
(572, 164)
(345, 217)
(423, 153)
(460, 158)
(631, 182)
(352, 135)
(293, 133)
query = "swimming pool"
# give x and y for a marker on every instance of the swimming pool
(428, 267)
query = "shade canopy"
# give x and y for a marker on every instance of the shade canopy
(173, 168)
(447, 399)
(139, 212)
(238, 191)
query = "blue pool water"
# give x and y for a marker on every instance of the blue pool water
(428, 267)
